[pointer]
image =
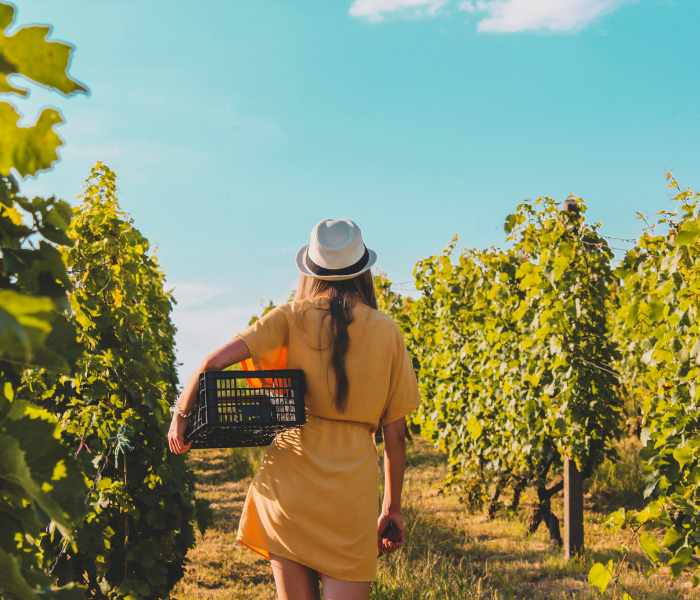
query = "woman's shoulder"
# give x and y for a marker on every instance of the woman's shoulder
(275, 313)
(272, 320)
(381, 320)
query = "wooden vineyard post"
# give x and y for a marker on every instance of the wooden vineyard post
(573, 480)
(573, 510)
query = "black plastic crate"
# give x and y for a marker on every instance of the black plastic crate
(230, 413)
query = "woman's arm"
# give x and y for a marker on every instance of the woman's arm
(234, 352)
(394, 466)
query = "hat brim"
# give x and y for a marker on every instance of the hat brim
(301, 265)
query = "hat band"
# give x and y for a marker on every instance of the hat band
(322, 272)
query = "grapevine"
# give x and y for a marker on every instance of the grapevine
(135, 537)
(503, 343)
(656, 313)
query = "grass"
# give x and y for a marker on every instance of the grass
(220, 567)
(619, 482)
(451, 553)
(242, 463)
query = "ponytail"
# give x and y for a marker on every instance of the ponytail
(341, 317)
(341, 295)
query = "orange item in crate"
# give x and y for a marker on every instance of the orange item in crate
(278, 362)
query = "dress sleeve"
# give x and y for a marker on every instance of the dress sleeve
(268, 340)
(404, 396)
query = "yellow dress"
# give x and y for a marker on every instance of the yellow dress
(314, 499)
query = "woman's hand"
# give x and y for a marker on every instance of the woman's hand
(394, 466)
(229, 354)
(176, 435)
(384, 545)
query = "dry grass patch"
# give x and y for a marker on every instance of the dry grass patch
(220, 568)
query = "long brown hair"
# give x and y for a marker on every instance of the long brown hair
(342, 296)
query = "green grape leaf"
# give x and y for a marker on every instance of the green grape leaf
(510, 223)
(28, 150)
(55, 222)
(61, 348)
(683, 455)
(27, 52)
(600, 575)
(40, 271)
(24, 323)
(12, 335)
(674, 539)
(689, 234)
(474, 427)
(650, 546)
(14, 470)
(680, 561)
(12, 584)
(49, 461)
(35, 334)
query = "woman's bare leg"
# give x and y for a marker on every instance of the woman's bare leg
(337, 589)
(295, 581)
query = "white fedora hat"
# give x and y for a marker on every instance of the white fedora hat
(336, 251)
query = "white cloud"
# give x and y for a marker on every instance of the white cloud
(194, 294)
(200, 331)
(500, 16)
(206, 317)
(375, 10)
(507, 16)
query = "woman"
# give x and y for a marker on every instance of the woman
(312, 507)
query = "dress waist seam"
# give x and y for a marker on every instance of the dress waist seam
(356, 423)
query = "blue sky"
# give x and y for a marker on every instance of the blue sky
(236, 126)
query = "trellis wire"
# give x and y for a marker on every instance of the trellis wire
(612, 237)
(600, 246)
(611, 372)
(79, 271)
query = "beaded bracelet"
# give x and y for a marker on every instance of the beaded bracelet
(174, 409)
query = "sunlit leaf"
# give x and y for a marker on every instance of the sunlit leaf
(650, 546)
(599, 576)
(30, 149)
(680, 561)
(28, 53)
(689, 234)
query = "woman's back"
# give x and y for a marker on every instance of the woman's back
(296, 335)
